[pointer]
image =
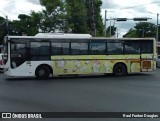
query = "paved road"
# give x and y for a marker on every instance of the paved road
(134, 93)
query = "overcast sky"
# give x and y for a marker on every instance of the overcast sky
(115, 9)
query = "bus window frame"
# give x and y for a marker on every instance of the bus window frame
(116, 53)
(38, 57)
(25, 58)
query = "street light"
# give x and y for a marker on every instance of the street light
(157, 24)
(6, 17)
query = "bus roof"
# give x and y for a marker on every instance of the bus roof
(53, 35)
(62, 35)
(78, 36)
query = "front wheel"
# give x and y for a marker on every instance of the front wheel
(42, 72)
(119, 70)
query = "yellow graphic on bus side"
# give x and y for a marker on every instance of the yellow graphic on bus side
(92, 64)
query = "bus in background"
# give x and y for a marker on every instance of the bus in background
(158, 48)
(43, 56)
(1, 58)
(158, 54)
(1, 62)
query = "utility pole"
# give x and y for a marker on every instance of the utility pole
(143, 31)
(157, 27)
(117, 33)
(110, 29)
(105, 23)
(7, 25)
(91, 17)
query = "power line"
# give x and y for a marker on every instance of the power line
(140, 5)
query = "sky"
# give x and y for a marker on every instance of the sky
(115, 9)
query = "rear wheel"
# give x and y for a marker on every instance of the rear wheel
(119, 70)
(42, 72)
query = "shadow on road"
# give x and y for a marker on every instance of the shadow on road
(76, 77)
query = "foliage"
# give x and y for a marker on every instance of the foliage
(111, 31)
(98, 18)
(76, 16)
(71, 15)
(3, 29)
(142, 29)
(53, 16)
(66, 15)
(25, 26)
(131, 33)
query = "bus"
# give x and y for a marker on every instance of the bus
(158, 48)
(68, 54)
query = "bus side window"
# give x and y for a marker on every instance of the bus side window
(97, 48)
(44, 50)
(132, 48)
(40, 50)
(60, 48)
(56, 48)
(114, 48)
(79, 48)
(65, 48)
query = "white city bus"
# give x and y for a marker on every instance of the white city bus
(72, 54)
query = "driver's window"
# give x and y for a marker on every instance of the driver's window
(18, 48)
(18, 54)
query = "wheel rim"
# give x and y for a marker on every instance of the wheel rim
(119, 70)
(41, 72)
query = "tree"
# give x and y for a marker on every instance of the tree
(142, 29)
(52, 5)
(131, 33)
(3, 29)
(98, 18)
(111, 31)
(80, 16)
(26, 25)
(53, 16)
(76, 16)
(71, 15)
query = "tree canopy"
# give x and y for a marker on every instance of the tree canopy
(69, 16)
(142, 29)
(74, 16)
(111, 31)
(3, 29)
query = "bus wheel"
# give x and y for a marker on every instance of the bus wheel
(42, 72)
(119, 70)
